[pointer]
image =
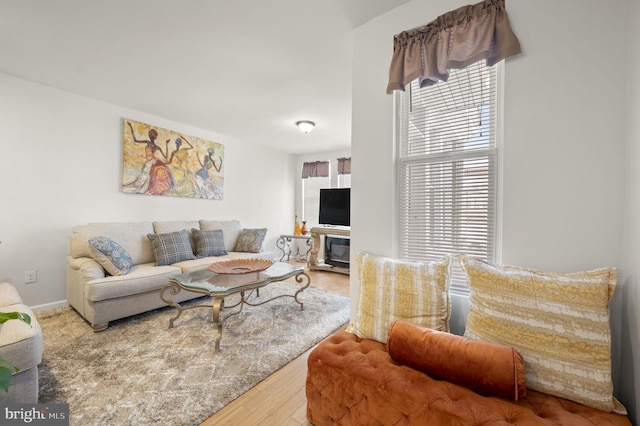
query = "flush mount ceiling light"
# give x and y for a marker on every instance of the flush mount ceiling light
(305, 126)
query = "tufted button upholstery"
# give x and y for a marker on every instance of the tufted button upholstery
(353, 381)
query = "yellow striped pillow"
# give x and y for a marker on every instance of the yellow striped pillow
(416, 292)
(559, 322)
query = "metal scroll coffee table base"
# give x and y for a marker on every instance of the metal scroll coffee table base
(219, 286)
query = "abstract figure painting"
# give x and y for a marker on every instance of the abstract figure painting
(157, 161)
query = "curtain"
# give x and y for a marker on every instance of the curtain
(344, 166)
(315, 169)
(452, 41)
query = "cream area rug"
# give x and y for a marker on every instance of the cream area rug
(140, 372)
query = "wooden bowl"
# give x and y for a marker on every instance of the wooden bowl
(240, 266)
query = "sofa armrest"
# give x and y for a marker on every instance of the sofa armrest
(88, 268)
(8, 294)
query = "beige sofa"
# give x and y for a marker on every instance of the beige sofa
(21, 344)
(100, 297)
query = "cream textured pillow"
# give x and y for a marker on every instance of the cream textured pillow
(559, 322)
(416, 292)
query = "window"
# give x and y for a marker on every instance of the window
(315, 175)
(344, 181)
(344, 172)
(311, 198)
(447, 168)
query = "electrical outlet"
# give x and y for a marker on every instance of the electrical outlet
(30, 276)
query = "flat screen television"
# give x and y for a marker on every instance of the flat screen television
(335, 206)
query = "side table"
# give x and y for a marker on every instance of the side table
(284, 244)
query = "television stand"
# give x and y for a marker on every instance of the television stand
(318, 260)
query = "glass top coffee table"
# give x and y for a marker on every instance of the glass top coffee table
(219, 286)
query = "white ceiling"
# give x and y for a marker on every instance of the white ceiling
(246, 69)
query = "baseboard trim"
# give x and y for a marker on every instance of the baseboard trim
(49, 306)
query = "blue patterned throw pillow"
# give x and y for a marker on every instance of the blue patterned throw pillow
(250, 240)
(110, 255)
(209, 243)
(171, 247)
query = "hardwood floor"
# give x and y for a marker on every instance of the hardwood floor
(280, 398)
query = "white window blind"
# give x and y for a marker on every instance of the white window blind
(447, 168)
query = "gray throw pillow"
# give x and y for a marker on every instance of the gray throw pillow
(209, 243)
(110, 255)
(250, 240)
(171, 247)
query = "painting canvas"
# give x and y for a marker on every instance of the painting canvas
(158, 161)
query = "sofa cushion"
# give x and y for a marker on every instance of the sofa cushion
(174, 225)
(141, 279)
(230, 230)
(208, 243)
(559, 322)
(486, 368)
(390, 289)
(166, 227)
(110, 255)
(250, 240)
(171, 247)
(9, 295)
(21, 343)
(131, 236)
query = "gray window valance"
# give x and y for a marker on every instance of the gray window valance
(315, 169)
(344, 166)
(453, 41)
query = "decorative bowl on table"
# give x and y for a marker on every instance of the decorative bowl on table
(240, 266)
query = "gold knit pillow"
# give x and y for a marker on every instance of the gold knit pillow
(416, 292)
(559, 322)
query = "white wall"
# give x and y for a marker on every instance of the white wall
(564, 137)
(630, 277)
(62, 165)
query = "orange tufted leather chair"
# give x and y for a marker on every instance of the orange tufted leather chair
(353, 381)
